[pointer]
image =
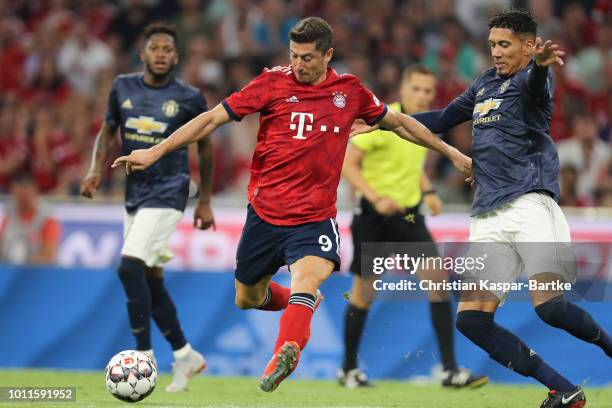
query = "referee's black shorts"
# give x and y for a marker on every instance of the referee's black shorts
(370, 226)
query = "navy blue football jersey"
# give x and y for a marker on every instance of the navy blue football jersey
(512, 151)
(145, 116)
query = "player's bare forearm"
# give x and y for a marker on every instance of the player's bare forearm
(351, 171)
(412, 130)
(425, 183)
(207, 169)
(196, 129)
(102, 148)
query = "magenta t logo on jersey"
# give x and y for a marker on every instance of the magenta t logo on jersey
(302, 127)
(301, 122)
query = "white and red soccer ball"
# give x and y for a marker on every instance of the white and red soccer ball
(130, 376)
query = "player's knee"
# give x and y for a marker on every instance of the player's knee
(154, 273)
(131, 269)
(473, 323)
(245, 303)
(552, 311)
(302, 282)
(438, 296)
(361, 298)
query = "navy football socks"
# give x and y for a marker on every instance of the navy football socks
(508, 350)
(132, 276)
(164, 313)
(560, 313)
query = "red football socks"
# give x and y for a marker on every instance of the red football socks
(295, 321)
(277, 297)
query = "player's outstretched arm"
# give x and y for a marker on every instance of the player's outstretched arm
(548, 53)
(101, 150)
(412, 130)
(544, 55)
(197, 128)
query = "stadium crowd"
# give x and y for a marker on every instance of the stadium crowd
(59, 57)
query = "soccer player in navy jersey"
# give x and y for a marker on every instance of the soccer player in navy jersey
(516, 174)
(146, 108)
(307, 110)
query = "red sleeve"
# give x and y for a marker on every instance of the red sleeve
(371, 109)
(252, 98)
(51, 230)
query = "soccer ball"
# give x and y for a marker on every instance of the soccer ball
(130, 376)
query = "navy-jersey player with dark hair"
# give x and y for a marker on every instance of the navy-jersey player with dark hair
(147, 107)
(516, 172)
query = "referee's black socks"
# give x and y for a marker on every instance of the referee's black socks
(354, 321)
(442, 321)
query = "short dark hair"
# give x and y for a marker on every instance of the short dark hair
(313, 29)
(160, 28)
(415, 69)
(517, 20)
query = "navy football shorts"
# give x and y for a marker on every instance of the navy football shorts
(264, 247)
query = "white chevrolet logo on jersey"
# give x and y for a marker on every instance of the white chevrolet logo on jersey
(146, 125)
(484, 107)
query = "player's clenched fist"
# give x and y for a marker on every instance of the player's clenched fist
(90, 184)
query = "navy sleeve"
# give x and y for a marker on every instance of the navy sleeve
(112, 117)
(458, 111)
(466, 101)
(539, 82)
(440, 121)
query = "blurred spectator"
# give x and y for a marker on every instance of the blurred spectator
(235, 29)
(570, 96)
(271, 25)
(568, 182)
(13, 144)
(576, 29)
(129, 23)
(467, 59)
(475, 14)
(52, 155)
(12, 54)
(82, 57)
(586, 153)
(449, 84)
(192, 22)
(542, 11)
(588, 66)
(603, 192)
(47, 85)
(29, 234)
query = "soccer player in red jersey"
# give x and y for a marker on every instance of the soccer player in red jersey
(307, 110)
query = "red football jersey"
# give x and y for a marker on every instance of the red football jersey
(302, 138)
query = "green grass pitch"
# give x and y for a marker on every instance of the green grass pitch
(205, 391)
